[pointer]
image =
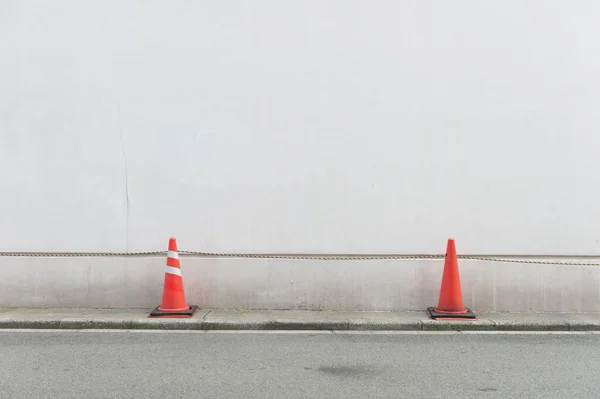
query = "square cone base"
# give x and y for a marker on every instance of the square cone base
(175, 315)
(445, 316)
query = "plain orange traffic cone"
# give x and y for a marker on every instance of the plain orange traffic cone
(450, 305)
(173, 299)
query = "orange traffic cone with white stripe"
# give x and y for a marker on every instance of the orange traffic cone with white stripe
(173, 299)
(450, 305)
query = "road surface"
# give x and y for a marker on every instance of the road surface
(67, 364)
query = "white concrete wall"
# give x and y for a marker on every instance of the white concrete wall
(300, 127)
(294, 284)
(310, 127)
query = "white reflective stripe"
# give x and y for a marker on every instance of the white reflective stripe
(173, 270)
(172, 254)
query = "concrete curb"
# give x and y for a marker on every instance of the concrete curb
(260, 322)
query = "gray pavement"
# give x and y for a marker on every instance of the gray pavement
(146, 364)
(206, 319)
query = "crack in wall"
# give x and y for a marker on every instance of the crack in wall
(126, 182)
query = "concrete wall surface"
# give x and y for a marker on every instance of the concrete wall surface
(296, 284)
(309, 127)
(303, 127)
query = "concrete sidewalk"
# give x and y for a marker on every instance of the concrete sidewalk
(291, 320)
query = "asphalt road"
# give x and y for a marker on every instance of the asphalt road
(283, 365)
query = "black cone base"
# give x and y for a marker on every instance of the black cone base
(186, 313)
(445, 316)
